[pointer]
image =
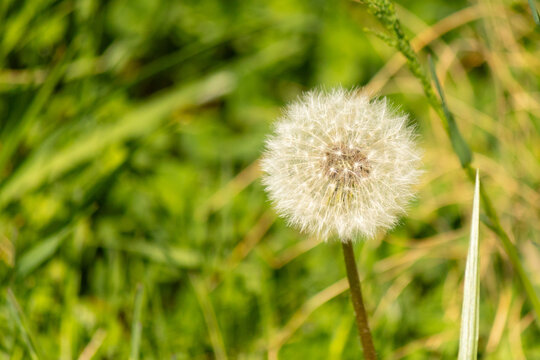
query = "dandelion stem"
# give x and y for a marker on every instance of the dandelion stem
(358, 302)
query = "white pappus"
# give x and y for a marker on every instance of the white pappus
(341, 163)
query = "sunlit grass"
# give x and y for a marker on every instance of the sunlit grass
(130, 134)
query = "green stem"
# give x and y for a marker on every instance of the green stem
(358, 302)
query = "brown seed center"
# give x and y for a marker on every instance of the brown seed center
(346, 165)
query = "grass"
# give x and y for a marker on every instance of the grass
(132, 221)
(470, 313)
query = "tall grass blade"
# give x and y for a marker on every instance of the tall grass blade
(216, 339)
(20, 321)
(458, 143)
(535, 14)
(136, 326)
(470, 314)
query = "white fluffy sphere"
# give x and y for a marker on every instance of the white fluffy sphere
(341, 163)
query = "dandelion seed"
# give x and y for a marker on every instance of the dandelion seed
(349, 170)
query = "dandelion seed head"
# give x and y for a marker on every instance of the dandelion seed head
(341, 163)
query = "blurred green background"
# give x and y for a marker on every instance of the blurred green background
(129, 191)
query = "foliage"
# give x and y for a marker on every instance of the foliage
(129, 139)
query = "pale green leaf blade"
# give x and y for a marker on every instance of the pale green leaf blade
(535, 14)
(468, 339)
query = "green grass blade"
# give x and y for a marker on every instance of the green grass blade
(534, 11)
(46, 248)
(14, 138)
(470, 314)
(42, 251)
(136, 326)
(20, 321)
(210, 318)
(458, 143)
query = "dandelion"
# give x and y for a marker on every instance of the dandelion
(341, 163)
